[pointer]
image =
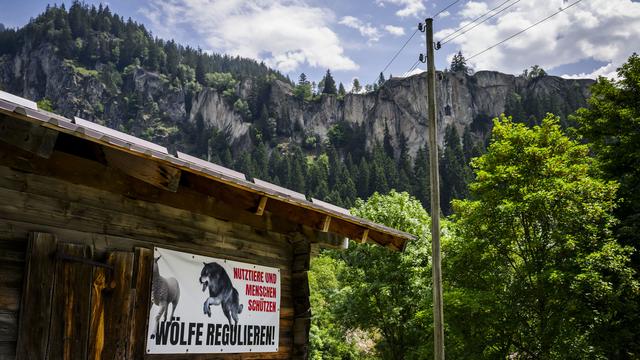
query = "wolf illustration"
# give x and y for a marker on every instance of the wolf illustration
(221, 291)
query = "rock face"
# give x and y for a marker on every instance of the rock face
(141, 99)
(462, 100)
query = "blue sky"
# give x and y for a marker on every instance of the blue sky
(357, 38)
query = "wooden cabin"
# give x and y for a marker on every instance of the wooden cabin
(83, 210)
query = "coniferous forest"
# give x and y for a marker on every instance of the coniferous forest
(96, 44)
(542, 205)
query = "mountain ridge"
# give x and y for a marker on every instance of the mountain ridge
(89, 63)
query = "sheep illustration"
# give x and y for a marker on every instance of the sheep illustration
(164, 291)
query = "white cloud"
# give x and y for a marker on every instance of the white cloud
(608, 71)
(444, 14)
(408, 7)
(473, 9)
(602, 30)
(283, 33)
(415, 71)
(394, 30)
(366, 30)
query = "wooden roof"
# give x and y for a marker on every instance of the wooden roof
(154, 164)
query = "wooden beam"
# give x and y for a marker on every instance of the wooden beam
(159, 175)
(365, 236)
(37, 299)
(261, 206)
(326, 223)
(143, 271)
(26, 136)
(96, 324)
(118, 307)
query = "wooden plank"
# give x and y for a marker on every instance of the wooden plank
(35, 308)
(326, 223)
(10, 298)
(365, 236)
(159, 175)
(96, 323)
(202, 200)
(261, 206)
(72, 215)
(69, 328)
(8, 325)
(30, 137)
(118, 307)
(300, 294)
(7, 350)
(143, 270)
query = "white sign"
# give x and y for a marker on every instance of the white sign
(206, 305)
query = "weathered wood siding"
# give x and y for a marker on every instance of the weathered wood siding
(105, 221)
(12, 265)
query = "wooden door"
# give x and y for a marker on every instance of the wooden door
(74, 307)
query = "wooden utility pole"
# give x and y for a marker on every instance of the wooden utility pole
(438, 317)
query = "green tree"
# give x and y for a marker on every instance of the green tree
(422, 180)
(45, 104)
(459, 63)
(328, 341)
(302, 91)
(386, 292)
(534, 72)
(534, 270)
(611, 125)
(242, 108)
(355, 86)
(454, 171)
(341, 91)
(329, 84)
(381, 80)
(220, 81)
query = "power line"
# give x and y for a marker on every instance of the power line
(411, 37)
(521, 31)
(399, 51)
(411, 68)
(445, 9)
(473, 21)
(481, 22)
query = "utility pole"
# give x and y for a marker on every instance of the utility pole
(438, 317)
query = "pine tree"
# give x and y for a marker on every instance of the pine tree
(363, 184)
(356, 87)
(467, 145)
(298, 171)
(246, 165)
(200, 71)
(381, 80)
(388, 141)
(261, 160)
(302, 80)
(378, 180)
(405, 171)
(454, 172)
(341, 91)
(329, 84)
(459, 63)
(422, 181)
(274, 163)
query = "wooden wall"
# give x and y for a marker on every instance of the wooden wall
(31, 201)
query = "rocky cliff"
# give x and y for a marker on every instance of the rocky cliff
(149, 105)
